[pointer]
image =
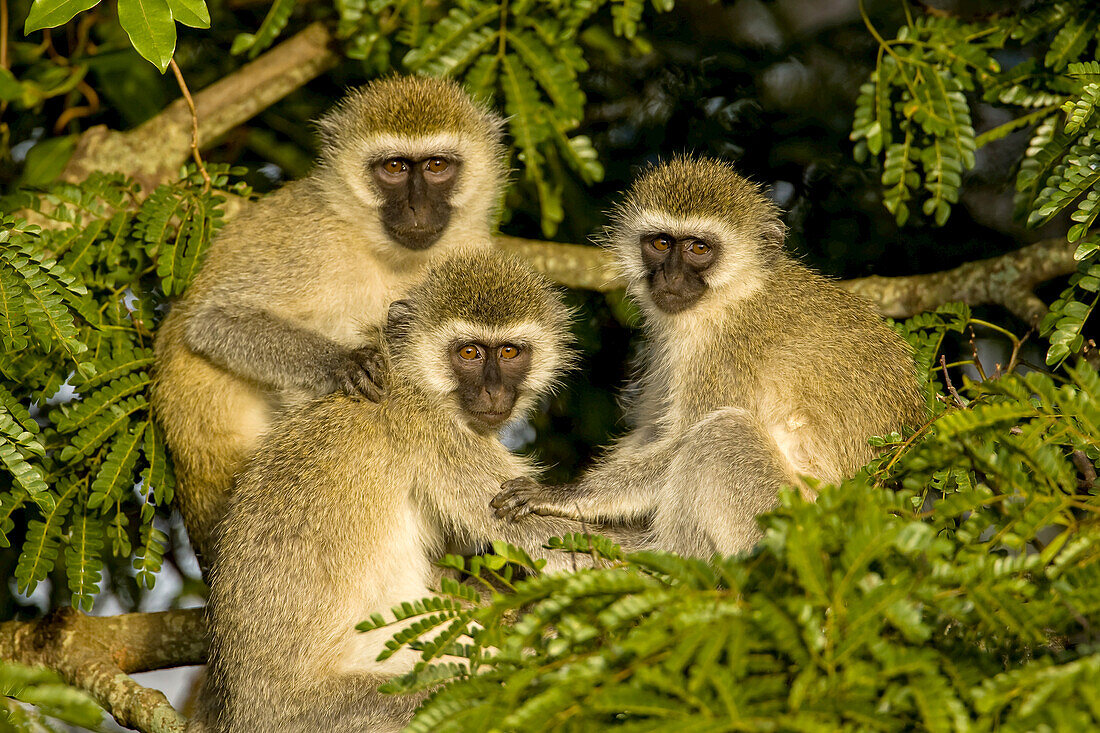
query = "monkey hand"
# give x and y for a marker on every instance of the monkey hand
(361, 371)
(522, 496)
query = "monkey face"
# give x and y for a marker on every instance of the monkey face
(675, 269)
(416, 197)
(489, 376)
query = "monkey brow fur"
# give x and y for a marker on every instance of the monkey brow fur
(409, 106)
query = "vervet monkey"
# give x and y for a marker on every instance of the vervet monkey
(758, 371)
(347, 503)
(410, 169)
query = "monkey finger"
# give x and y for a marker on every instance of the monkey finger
(510, 498)
(514, 513)
(517, 484)
(365, 387)
(345, 384)
(373, 365)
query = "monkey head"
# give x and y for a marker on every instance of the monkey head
(691, 228)
(409, 158)
(482, 335)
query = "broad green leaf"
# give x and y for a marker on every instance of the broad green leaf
(52, 13)
(193, 13)
(151, 29)
(47, 159)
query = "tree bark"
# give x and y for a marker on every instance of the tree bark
(153, 152)
(97, 653)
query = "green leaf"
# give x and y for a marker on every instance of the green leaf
(191, 13)
(47, 159)
(151, 29)
(83, 564)
(52, 13)
(276, 19)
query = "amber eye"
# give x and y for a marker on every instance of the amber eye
(437, 165)
(508, 352)
(469, 353)
(661, 242)
(394, 166)
(699, 248)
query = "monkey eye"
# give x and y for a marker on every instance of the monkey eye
(508, 351)
(437, 165)
(469, 352)
(661, 242)
(699, 248)
(395, 166)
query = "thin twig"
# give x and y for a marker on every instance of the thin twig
(194, 125)
(974, 351)
(1014, 358)
(947, 380)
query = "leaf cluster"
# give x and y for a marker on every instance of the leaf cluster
(86, 471)
(914, 115)
(45, 696)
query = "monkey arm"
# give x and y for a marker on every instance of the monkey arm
(620, 488)
(475, 526)
(258, 346)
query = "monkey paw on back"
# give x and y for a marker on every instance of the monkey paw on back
(522, 496)
(359, 372)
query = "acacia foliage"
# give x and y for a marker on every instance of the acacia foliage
(524, 56)
(953, 585)
(915, 119)
(86, 475)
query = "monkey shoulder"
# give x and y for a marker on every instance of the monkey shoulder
(280, 233)
(837, 356)
(319, 480)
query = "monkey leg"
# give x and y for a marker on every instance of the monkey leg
(725, 473)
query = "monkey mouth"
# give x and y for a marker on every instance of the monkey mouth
(671, 302)
(415, 237)
(492, 418)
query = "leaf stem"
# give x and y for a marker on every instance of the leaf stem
(503, 27)
(3, 34)
(194, 124)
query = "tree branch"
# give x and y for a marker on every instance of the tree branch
(1008, 280)
(154, 151)
(97, 653)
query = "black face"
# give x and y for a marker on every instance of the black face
(676, 268)
(489, 376)
(417, 198)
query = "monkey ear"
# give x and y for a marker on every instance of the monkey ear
(774, 232)
(399, 317)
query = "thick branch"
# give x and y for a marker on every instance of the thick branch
(572, 265)
(96, 653)
(154, 151)
(1008, 280)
